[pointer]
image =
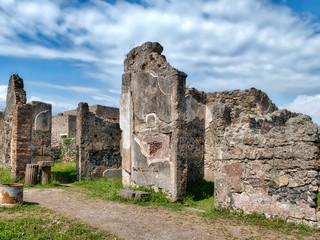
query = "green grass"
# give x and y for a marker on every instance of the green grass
(200, 196)
(260, 220)
(108, 189)
(64, 172)
(30, 222)
(60, 173)
(5, 176)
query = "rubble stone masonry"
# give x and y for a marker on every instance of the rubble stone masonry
(15, 125)
(261, 159)
(155, 147)
(97, 143)
(24, 129)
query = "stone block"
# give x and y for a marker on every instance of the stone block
(283, 181)
(112, 173)
(46, 163)
(127, 193)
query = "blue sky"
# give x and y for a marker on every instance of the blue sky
(72, 51)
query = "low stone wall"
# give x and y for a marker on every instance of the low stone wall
(262, 159)
(110, 114)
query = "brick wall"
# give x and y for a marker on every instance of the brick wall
(21, 139)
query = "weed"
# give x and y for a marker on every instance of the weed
(5, 176)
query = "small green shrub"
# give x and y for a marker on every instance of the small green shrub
(5, 176)
(66, 141)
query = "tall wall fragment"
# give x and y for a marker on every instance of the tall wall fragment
(19, 129)
(155, 146)
(15, 143)
(97, 143)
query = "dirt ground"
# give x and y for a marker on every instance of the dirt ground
(128, 221)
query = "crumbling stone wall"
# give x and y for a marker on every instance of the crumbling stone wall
(21, 153)
(155, 146)
(63, 135)
(110, 114)
(64, 130)
(15, 138)
(98, 143)
(261, 159)
(19, 126)
(16, 96)
(222, 108)
(63, 124)
(41, 131)
(195, 138)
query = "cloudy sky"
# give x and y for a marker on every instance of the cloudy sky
(72, 51)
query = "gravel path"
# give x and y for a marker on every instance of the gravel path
(128, 221)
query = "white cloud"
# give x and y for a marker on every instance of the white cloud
(222, 44)
(80, 89)
(33, 98)
(108, 100)
(3, 96)
(57, 106)
(309, 105)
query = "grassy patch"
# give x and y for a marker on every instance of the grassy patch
(64, 172)
(108, 189)
(60, 173)
(33, 222)
(200, 195)
(260, 220)
(5, 176)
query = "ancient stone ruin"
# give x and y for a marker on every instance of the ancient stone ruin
(156, 149)
(29, 134)
(261, 159)
(97, 141)
(25, 130)
(89, 135)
